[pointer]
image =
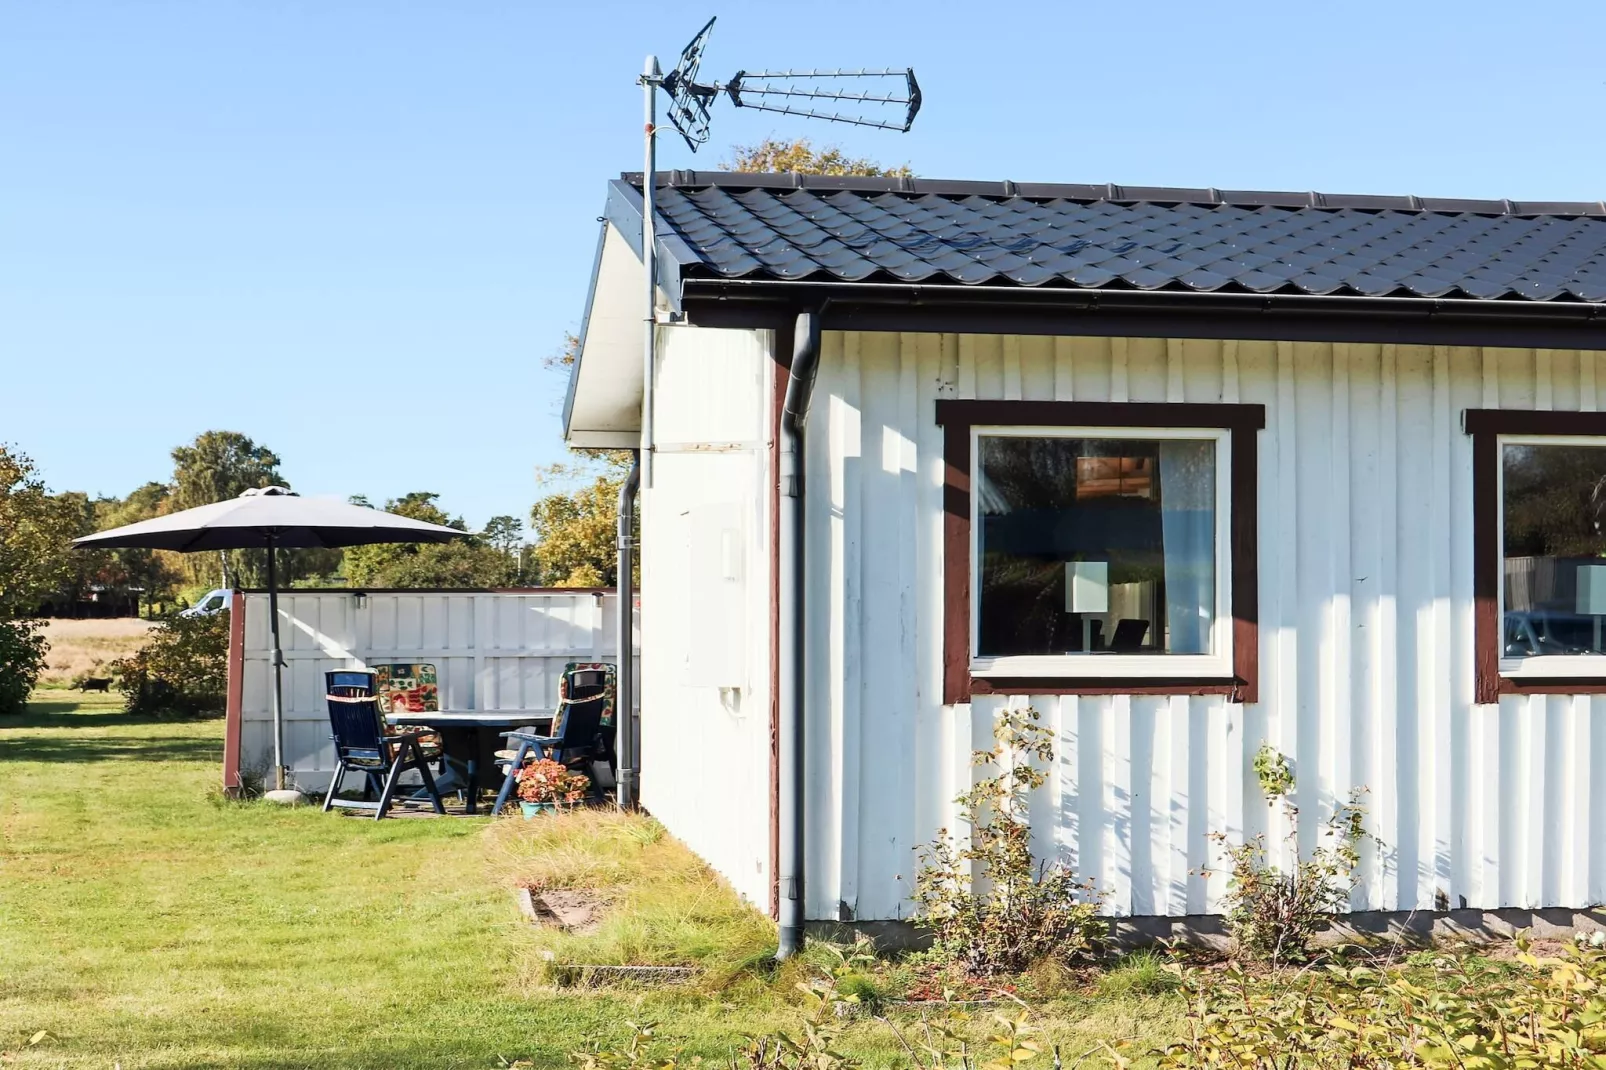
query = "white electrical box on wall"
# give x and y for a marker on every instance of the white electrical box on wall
(716, 603)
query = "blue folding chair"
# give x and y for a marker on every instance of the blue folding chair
(577, 737)
(362, 745)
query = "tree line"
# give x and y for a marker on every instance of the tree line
(44, 573)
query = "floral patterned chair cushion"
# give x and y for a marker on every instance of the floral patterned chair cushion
(609, 696)
(406, 687)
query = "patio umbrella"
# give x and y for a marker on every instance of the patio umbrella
(271, 518)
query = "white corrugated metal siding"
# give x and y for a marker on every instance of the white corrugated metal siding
(491, 650)
(705, 638)
(1366, 634)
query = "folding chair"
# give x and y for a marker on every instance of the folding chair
(412, 687)
(362, 745)
(585, 698)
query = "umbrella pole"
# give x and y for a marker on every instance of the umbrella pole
(278, 661)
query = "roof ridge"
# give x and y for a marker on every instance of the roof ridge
(1090, 192)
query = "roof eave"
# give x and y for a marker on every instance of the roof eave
(585, 326)
(623, 210)
(1152, 313)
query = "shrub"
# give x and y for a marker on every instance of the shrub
(1273, 916)
(1463, 1012)
(22, 659)
(181, 669)
(990, 907)
(1271, 769)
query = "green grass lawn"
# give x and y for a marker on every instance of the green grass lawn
(147, 922)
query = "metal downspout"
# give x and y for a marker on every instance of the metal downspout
(624, 644)
(790, 723)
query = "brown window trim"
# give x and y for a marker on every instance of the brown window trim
(1486, 426)
(958, 417)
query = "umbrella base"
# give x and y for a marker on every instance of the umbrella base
(283, 796)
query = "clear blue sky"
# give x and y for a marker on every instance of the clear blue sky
(351, 230)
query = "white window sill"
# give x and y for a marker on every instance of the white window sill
(1135, 667)
(1554, 667)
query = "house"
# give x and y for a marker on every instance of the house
(1186, 470)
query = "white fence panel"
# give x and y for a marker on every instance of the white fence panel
(492, 650)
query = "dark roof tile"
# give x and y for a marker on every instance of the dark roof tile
(796, 227)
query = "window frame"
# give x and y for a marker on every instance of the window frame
(1491, 431)
(1237, 676)
(1137, 666)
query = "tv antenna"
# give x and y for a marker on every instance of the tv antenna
(887, 99)
(805, 93)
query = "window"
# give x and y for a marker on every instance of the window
(1099, 547)
(1552, 506)
(1539, 550)
(1093, 543)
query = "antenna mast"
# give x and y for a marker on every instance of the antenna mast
(887, 99)
(835, 96)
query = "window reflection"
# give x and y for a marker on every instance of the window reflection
(1553, 506)
(1103, 546)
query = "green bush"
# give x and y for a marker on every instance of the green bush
(1272, 770)
(1273, 915)
(990, 906)
(22, 659)
(1463, 1011)
(182, 669)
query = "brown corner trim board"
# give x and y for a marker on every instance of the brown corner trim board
(780, 366)
(1486, 426)
(958, 417)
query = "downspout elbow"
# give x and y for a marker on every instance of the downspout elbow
(627, 500)
(800, 381)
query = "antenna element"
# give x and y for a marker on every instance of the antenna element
(688, 101)
(775, 88)
(809, 94)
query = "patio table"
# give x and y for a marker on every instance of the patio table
(473, 735)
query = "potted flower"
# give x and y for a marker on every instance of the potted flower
(545, 785)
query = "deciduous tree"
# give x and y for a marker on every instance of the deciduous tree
(773, 156)
(157, 572)
(220, 465)
(36, 533)
(217, 466)
(467, 562)
(576, 529)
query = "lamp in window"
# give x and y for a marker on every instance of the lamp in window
(1592, 596)
(1087, 591)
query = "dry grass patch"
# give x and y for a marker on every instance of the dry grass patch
(656, 903)
(85, 647)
